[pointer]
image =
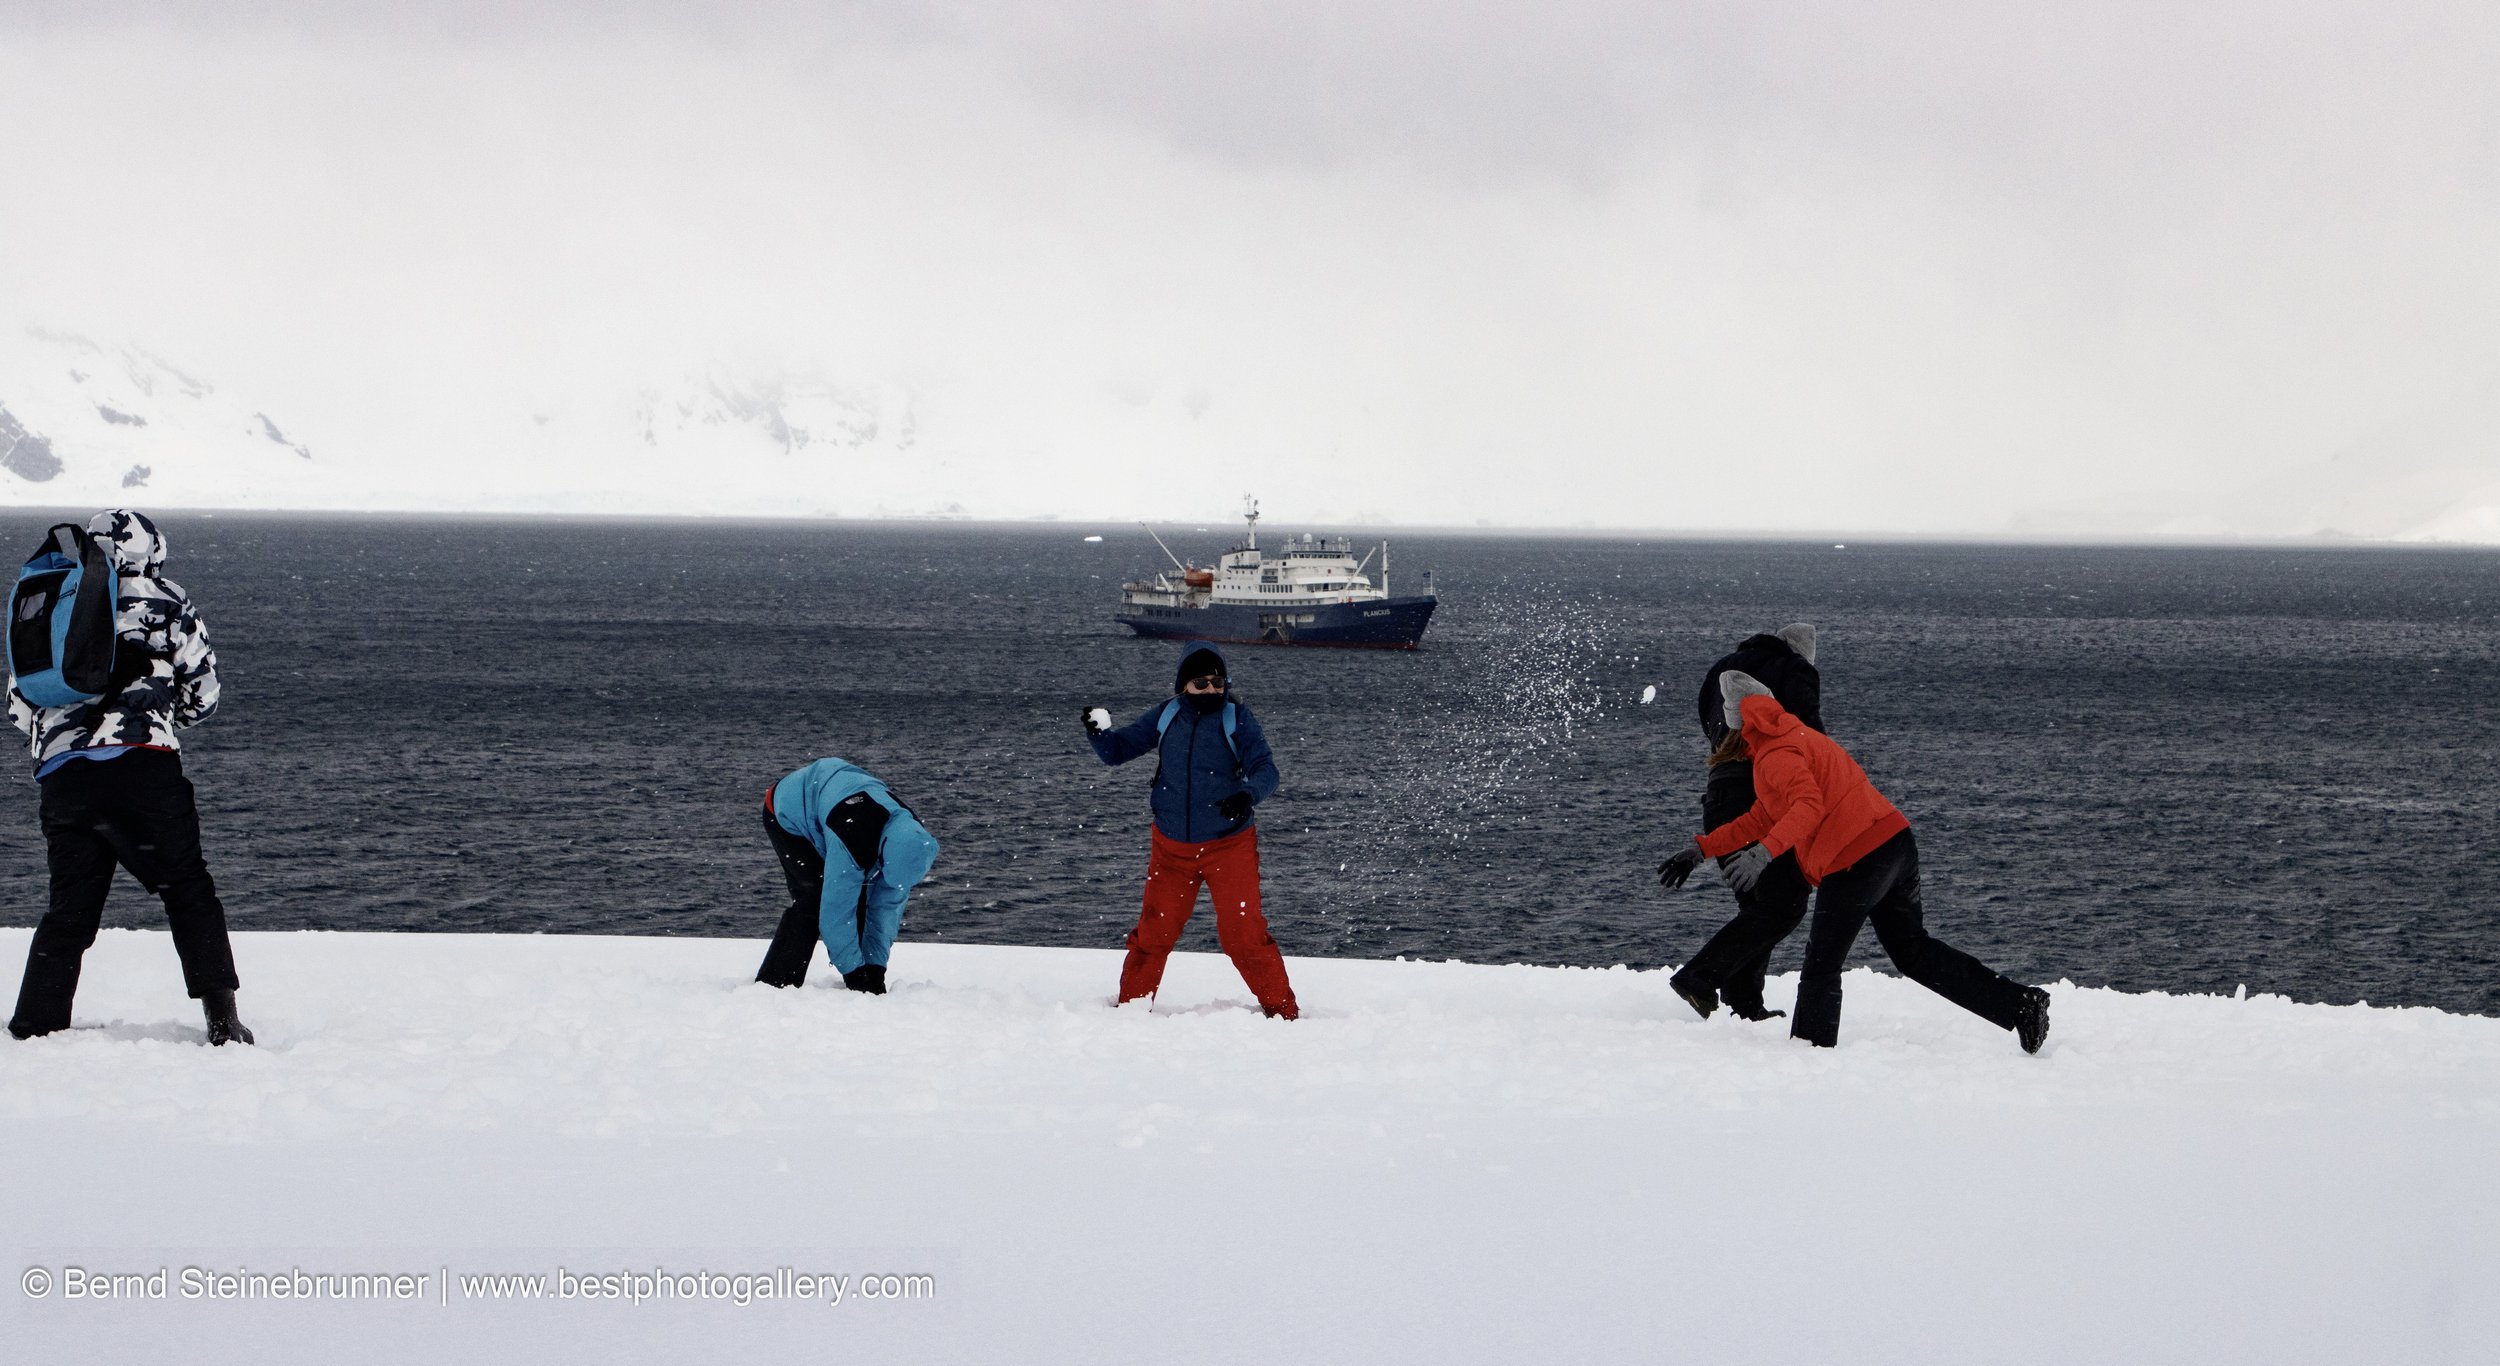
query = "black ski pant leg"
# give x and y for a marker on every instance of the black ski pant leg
(1841, 907)
(1900, 922)
(794, 942)
(1735, 959)
(81, 863)
(154, 828)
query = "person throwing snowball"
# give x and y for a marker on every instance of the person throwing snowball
(1857, 851)
(1212, 770)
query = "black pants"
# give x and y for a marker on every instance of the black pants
(794, 943)
(1735, 960)
(136, 811)
(1882, 889)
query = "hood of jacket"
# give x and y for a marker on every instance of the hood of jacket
(133, 541)
(1195, 649)
(1766, 719)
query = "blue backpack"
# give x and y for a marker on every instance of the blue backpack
(61, 634)
(1171, 709)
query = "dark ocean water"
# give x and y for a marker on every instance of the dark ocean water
(2176, 769)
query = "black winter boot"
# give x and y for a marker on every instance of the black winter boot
(1703, 1000)
(223, 1027)
(868, 977)
(2031, 1019)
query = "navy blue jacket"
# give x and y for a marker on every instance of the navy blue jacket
(1197, 770)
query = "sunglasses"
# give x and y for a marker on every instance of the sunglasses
(1204, 683)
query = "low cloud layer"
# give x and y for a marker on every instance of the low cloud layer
(2108, 270)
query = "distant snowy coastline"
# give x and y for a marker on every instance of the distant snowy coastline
(91, 422)
(1440, 1162)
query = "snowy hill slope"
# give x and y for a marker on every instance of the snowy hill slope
(87, 422)
(1438, 1163)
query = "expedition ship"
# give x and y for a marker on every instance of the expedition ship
(1311, 592)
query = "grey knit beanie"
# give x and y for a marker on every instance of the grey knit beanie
(1734, 687)
(1800, 637)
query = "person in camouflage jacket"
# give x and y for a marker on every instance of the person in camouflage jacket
(166, 671)
(114, 793)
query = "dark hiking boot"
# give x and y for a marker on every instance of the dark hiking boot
(223, 1027)
(2031, 1019)
(1703, 1000)
(868, 977)
(26, 1031)
(1756, 1013)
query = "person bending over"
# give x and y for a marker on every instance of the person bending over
(851, 852)
(1212, 770)
(1857, 850)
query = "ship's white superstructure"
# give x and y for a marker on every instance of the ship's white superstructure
(1309, 590)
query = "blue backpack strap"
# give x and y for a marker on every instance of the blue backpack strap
(1172, 709)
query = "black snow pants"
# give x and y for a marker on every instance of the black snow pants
(794, 943)
(138, 812)
(1882, 889)
(1736, 958)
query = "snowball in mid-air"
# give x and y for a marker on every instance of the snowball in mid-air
(1649, 694)
(1102, 717)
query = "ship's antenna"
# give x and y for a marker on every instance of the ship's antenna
(1167, 550)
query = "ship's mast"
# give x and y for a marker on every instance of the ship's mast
(1250, 511)
(1167, 550)
(1384, 569)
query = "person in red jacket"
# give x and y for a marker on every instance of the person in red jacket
(1857, 851)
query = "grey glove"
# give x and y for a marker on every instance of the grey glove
(1742, 869)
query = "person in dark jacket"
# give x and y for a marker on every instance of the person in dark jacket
(1212, 770)
(851, 853)
(114, 794)
(1857, 850)
(1731, 966)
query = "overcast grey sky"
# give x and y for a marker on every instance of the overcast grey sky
(2111, 268)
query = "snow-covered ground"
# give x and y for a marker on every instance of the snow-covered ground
(1438, 1163)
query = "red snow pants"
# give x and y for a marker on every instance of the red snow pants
(1229, 869)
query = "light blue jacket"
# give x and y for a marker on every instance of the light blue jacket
(801, 802)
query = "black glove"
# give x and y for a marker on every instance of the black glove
(1742, 869)
(1679, 866)
(868, 977)
(1092, 726)
(1235, 807)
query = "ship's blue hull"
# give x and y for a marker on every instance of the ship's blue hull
(1381, 624)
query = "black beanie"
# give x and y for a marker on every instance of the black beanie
(1198, 663)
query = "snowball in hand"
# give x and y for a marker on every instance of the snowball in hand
(1101, 716)
(1649, 694)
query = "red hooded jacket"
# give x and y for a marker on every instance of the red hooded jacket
(1810, 796)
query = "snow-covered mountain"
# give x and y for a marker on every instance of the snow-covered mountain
(83, 421)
